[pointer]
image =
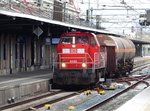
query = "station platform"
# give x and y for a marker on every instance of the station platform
(23, 85)
(141, 102)
(24, 77)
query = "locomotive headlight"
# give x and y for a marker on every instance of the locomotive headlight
(73, 45)
(83, 65)
(63, 65)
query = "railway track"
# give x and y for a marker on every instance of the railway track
(139, 80)
(56, 96)
(39, 101)
(91, 108)
(61, 97)
(138, 68)
(84, 103)
(52, 93)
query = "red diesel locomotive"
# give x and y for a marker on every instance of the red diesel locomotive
(84, 58)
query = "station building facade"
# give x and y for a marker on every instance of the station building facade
(22, 47)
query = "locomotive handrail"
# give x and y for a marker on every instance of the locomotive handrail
(99, 60)
(86, 55)
(55, 62)
(79, 54)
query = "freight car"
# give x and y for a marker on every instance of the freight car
(84, 58)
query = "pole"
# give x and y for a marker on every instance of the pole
(89, 12)
(53, 63)
(65, 11)
(89, 5)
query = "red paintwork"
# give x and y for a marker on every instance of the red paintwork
(74, 60)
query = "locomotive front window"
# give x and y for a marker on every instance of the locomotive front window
(82, 40)
(77, 40)
(66, 40)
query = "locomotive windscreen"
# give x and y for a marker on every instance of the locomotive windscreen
(66, 40)
(74, 40)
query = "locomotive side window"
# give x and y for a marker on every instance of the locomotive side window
(66, 40)
(92, 41)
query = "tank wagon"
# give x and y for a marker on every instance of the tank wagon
(84, 58)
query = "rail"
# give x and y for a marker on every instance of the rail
(141, 80)
(19, 103)
(40, 101)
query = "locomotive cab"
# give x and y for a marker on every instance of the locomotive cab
(73, 52)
